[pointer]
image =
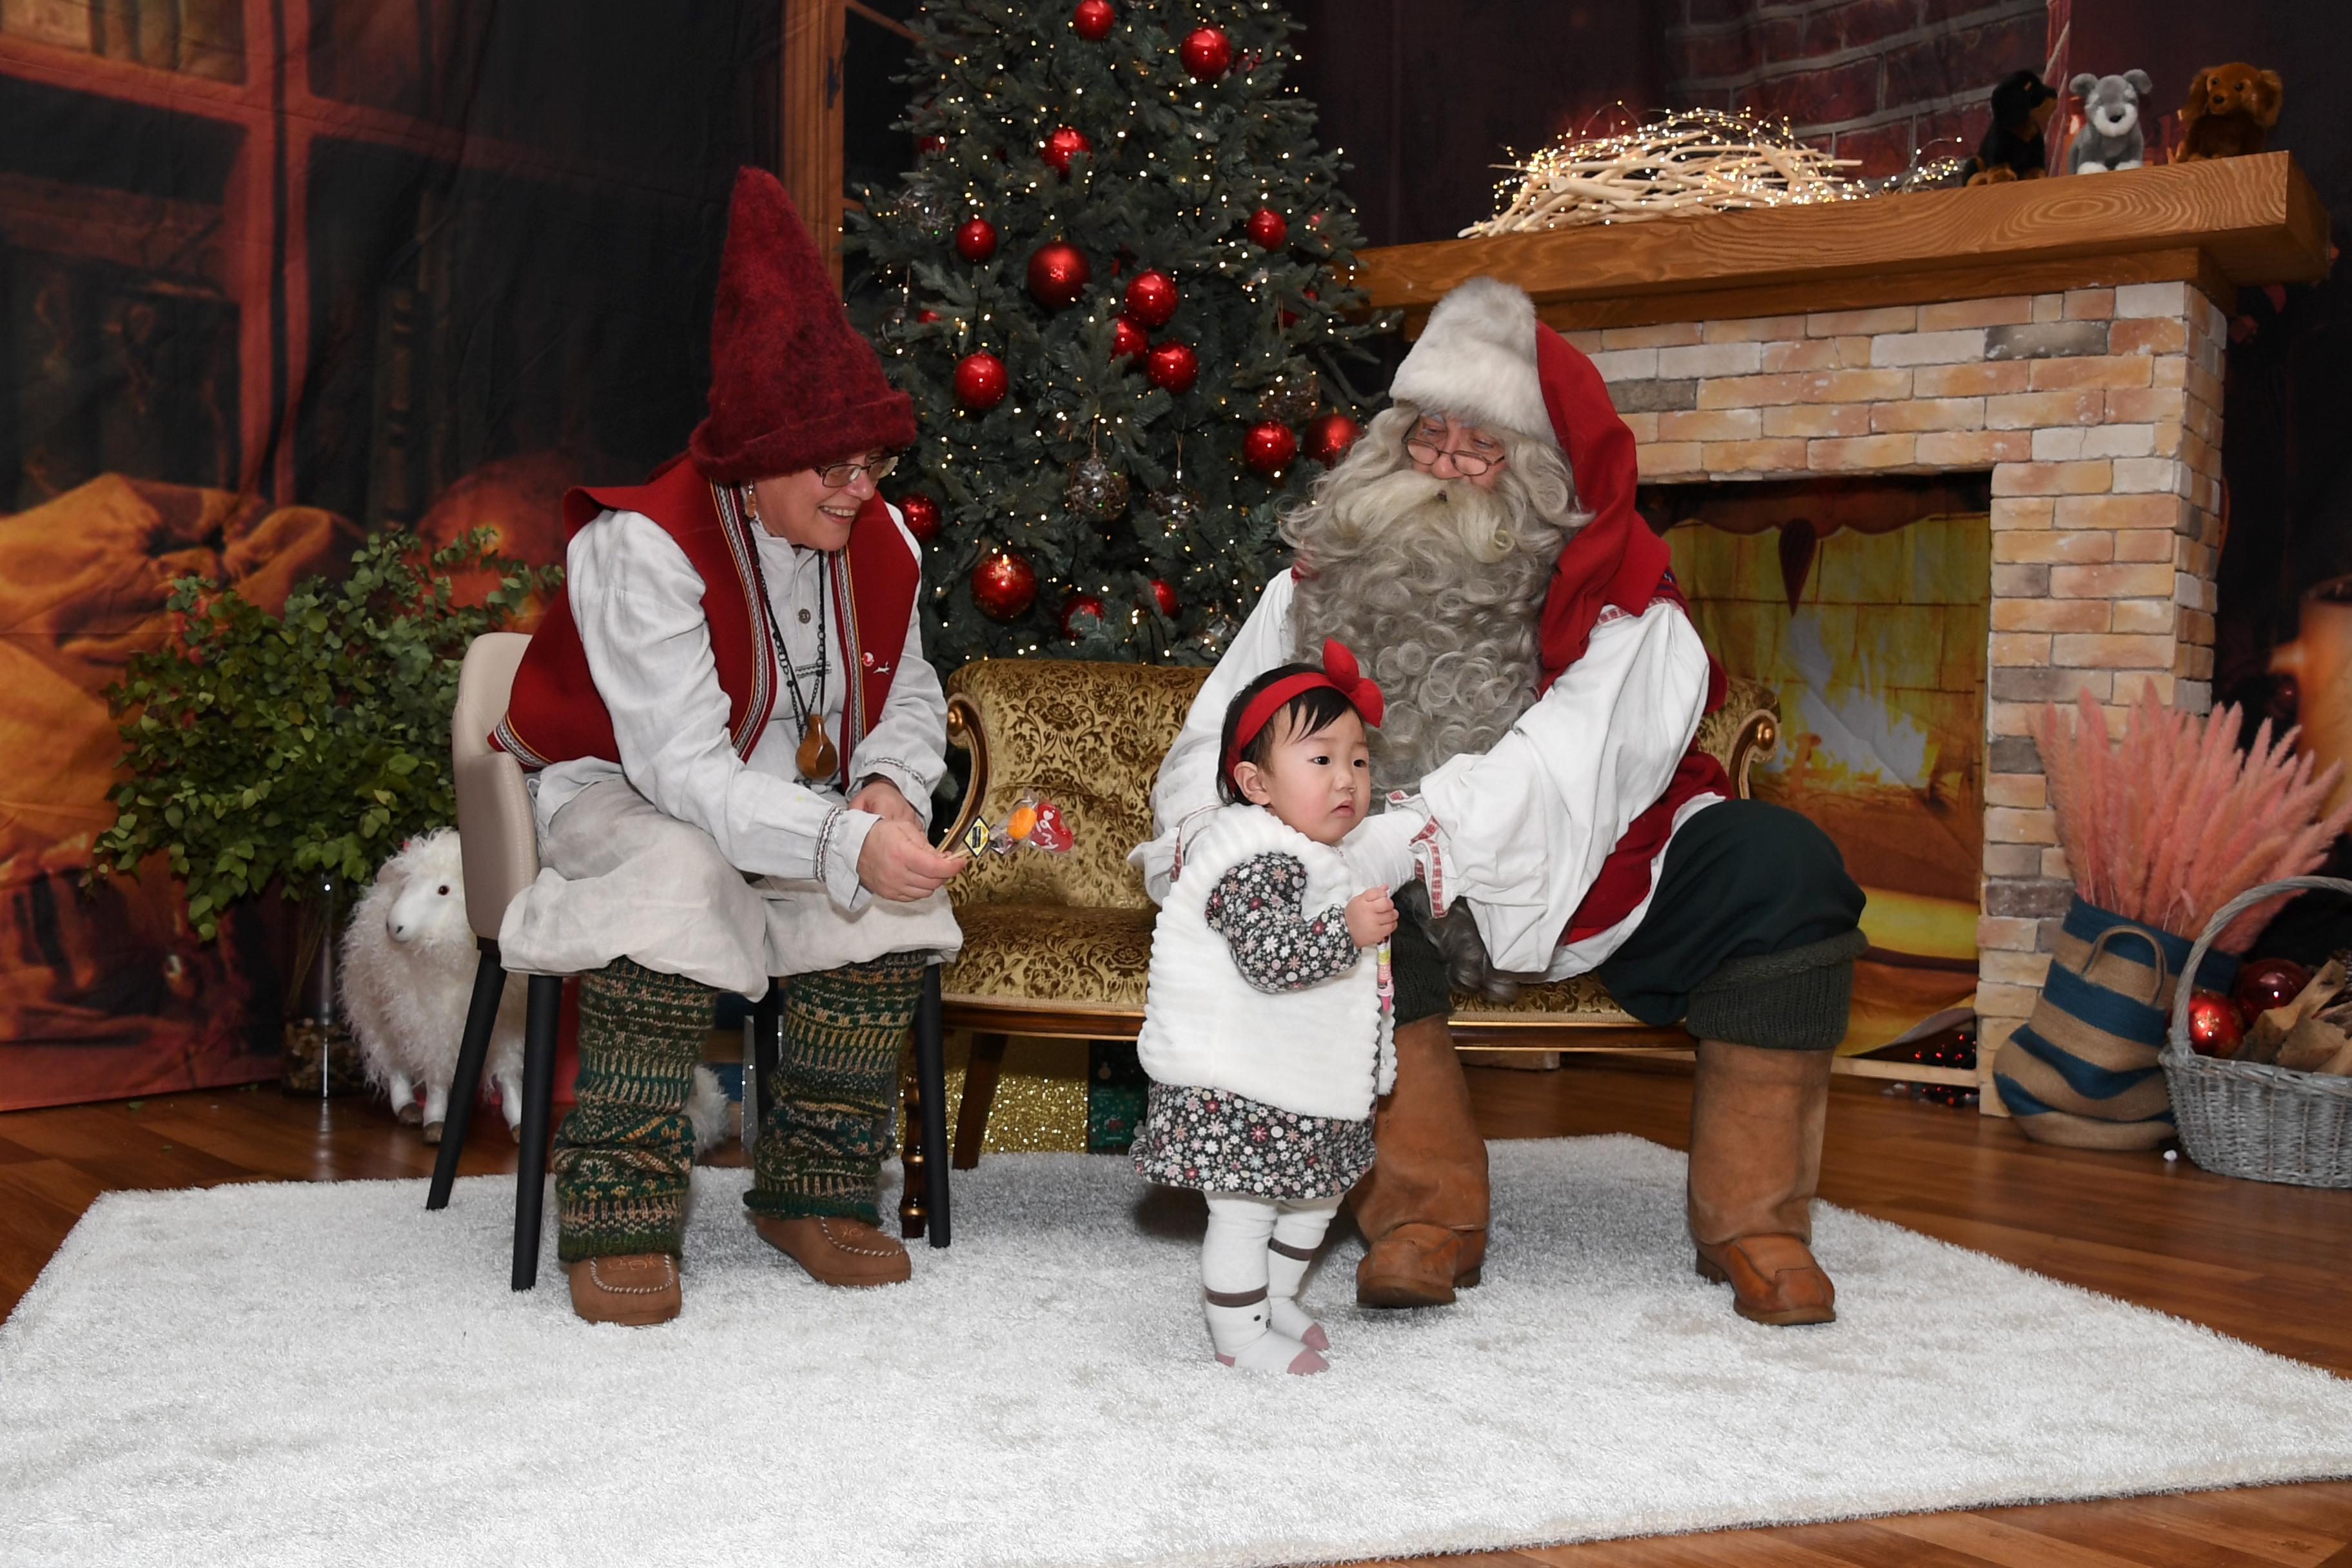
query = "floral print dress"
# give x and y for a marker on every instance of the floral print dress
(1222, 1143)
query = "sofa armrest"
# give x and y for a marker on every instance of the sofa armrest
(968, 733)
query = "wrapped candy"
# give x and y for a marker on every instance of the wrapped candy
(1032, 824)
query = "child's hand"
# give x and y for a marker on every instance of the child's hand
(1372, 916)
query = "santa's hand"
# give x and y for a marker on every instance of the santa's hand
(1372, 917)
(1381, 850)
(898, 863)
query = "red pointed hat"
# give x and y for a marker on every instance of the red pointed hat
(793, 385)
(1483, 357)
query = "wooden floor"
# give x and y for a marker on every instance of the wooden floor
(2265, 1263)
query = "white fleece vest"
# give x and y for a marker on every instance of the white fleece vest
(1325, 1050)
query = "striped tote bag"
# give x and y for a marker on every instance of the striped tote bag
(2083, 1072)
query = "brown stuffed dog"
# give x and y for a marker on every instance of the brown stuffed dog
(2229, 111)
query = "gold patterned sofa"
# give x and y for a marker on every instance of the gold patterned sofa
(1057, 945)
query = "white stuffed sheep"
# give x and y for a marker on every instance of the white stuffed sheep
(408, 963)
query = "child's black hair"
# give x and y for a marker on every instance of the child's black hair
(1315, 709)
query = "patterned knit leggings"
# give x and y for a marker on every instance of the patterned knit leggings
(625, 1156)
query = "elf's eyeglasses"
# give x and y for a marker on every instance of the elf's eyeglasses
(841, 476)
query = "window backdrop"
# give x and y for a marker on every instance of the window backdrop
(273, 272)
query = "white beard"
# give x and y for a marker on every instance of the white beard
(1438, 588)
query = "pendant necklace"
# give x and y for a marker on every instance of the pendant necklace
(816, 757)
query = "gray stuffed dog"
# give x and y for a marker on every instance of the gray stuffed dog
(2110, 137)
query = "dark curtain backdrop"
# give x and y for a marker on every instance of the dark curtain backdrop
(411, 262)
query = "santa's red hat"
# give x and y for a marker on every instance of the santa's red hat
(1485, 359)
(793, 385)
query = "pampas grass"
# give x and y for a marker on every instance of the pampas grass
(2172, 821)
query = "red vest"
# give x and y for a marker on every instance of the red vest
(554, 714)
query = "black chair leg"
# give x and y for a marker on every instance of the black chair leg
(930, 1077)
(466, 1089)
(545, 1010)
(767, 1052)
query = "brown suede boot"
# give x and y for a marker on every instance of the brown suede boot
(1756, 1117)
(634, 1289)
(1422, 1208)
(837, 1251)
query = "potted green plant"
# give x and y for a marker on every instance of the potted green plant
(297, 750)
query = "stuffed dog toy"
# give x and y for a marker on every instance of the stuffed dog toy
(2229, 111)
(2111, 136)
(2012, 149)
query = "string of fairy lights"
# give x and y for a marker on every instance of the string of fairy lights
(1695, 160)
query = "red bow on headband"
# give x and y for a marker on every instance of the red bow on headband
(1339, 672)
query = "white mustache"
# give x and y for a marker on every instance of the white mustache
(1415, 503)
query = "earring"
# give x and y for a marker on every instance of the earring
(751, 502)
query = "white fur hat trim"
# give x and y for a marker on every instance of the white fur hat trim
(1476, 361)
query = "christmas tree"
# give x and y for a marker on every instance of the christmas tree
(1115, 286)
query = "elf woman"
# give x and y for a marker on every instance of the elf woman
(1266, 1030)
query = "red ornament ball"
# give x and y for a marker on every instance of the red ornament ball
(926, 317)
(2216, 1027)
(1059, 274)
(1206, 52)
(922, 516)
(1080, 605)
(980, 380)
(1093, 19)
(1127, 341)
(1329, 437)
(930, 143)
(976, 240)
(1003, 585)
(1268, 448)
(1267, 229)
(2268, 983)
(1173, 366)
(1152, 298)
(1065, 145)
(1164, 597)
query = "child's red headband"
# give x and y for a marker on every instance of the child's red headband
(1338, 672)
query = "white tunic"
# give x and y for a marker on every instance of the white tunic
(1524, 829)
(685, 855)
(638, 604)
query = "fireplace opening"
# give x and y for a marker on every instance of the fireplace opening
(1863, 603)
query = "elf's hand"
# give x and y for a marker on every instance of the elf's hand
(881, 798)
(1372, 917)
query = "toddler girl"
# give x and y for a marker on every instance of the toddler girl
(1266, 1031)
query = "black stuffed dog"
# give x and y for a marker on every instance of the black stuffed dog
(2012, 149)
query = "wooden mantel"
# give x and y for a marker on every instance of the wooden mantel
(2217, 225)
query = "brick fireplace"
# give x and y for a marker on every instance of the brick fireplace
(2061, 339)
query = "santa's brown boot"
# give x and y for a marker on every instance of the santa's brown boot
(1422, 1208)
(1756, 1117)
(634, 1289)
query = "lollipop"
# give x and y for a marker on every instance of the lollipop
(1032, 824)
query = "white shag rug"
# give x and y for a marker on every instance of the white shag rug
(329, 1375)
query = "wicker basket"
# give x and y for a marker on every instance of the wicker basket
(2249, 1119)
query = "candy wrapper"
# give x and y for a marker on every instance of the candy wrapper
(1033, 823)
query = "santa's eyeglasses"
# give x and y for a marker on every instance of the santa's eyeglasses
(1470, 465)
(841, 476)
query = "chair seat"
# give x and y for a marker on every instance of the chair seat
(1051, 955)
(1582, 1002)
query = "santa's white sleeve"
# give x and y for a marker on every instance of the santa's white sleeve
(1524, 829)
(1188, 775)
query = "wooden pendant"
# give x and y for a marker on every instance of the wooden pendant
(816, 758)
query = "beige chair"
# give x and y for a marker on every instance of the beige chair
(500, 844)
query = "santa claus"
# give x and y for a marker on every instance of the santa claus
(1479, 547)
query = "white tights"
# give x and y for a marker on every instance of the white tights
(1252, 1260)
